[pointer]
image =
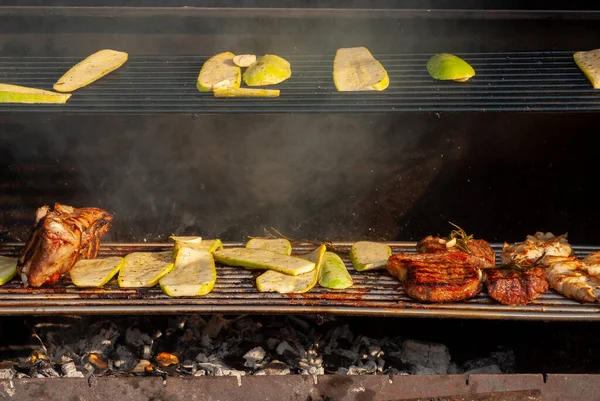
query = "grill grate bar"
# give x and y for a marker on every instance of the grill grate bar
(510, 81)
(374, 293)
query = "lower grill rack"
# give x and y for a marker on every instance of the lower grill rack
(374, 294)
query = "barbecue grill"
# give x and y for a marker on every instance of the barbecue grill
(508, 153)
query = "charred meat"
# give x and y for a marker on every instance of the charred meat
(480, 251)
(441, 277)
(61, 237)
(515, 287)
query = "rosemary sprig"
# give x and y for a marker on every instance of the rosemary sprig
(461, 238)
(522, 264)
(274, 234)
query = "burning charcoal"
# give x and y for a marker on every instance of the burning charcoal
(337, 338)
(141, 366)
(254, 356)
(429, 355)
(140, 341)
(214, 326)
(100, 339)
(125, 360)
(485, 370)
(274, 368)
(70, 370)
(98, 361)
(167, 359)
(311, 363)
(347, 354)
(285, 349)
(43, 368)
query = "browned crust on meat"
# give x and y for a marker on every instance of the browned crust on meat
(511, 287)
(482, 254)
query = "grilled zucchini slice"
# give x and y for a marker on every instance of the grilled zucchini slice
(279, 245)
(369, 255)
(355, 69)
(145, 269)
(194, 274)
(22, 94)
(261, 259)
(8, 269)
(95, 272)
(91, 69)
(334, 273)
(219, 72)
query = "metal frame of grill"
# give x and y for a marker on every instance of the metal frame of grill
(373, 294)
(511, 81)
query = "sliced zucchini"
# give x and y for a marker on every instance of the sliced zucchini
(267, 70)
(219, 72)
(8, 269)
(245, 92)
(197, 243)
(279, 245)
(355, 69)
(334, 273)
(194, 274)
(22, 94)
(261, 259)
(244, 60)
(589, 63)
(449, 67)
(145, 269)
(91, 69)
(369, 255)
(272, 281)
(95, 272)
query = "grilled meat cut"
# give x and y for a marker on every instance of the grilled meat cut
(535, 246)
(515, 287)
(61, 237)
(482, 254)
(573, 278)
(437, 277)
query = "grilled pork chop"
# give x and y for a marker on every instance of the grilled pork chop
(61, 237)
(511, 287)
(437, 277)
(482, 253)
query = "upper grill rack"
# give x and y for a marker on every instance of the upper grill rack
(511, 81)
(373, 294)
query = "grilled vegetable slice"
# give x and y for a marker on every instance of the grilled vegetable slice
(208, 245)
(144, 269)
(219, 71)
(194, 274)
(267, 70)
(246, 92)
(244, 60)
(272, 281)
(91, 69)
(333, 273)
(279, 245)
(95, 272)
(589, 63)
(355, 69)
(446, 66)
(8, 269)
(369, 255)
(22, 94)
(261, 259)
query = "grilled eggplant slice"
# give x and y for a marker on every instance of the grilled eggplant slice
(272, 281)
(279, 245)
(145, 269)
(8, 269)
(95, 272)
(333, 273)
(355, 69)
(22, 94)
(194, 274)
(261, 259)
(369, 255)
(91, 69)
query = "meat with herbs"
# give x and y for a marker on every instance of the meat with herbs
(480, 251)
(535, 246)
(62, 235)
(437, 277)
(515, 287)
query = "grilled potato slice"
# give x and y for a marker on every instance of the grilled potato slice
(8, 269)
(446, 66)
(23, 94)
(355, 69)
(267, 70)
(91, 69)
(589, 63)
(194, 274)
(219, 72)
(369, 255)
(95, 272)
(273, 281)
(261, 259)
(145, 269)
(279, 245)
(333, 273)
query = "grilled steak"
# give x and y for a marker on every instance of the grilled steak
(479, 248)
(61, 236)
(437, 277)
(511, 287)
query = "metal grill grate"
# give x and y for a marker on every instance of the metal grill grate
(541, 81)
(373, 294)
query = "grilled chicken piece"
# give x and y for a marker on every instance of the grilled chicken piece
(437, 277)
(571, 277)
(511, 287)
(61, 237)
(535, 246)
(482, 253)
